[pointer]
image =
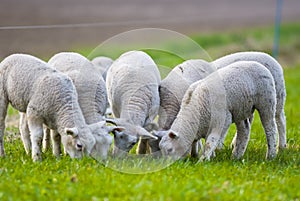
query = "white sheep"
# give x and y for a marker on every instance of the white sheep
(90, 85)
(173, 88)
(91, 90)
(132, 88)
(103, 64)
(176, 83)
(226, 96)
(47, 97)
(277, 72)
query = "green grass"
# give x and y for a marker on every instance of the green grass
(252, 178)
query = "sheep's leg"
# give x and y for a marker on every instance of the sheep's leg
(196, 146)
(281, 127)
(211, 144)
(233, 142)
(36, 133)
(3, 112)
(25, 134)
(46, 139)
(142, 146)
(242, 138)
(56, 143)
(270, 130)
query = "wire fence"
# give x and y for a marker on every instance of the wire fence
(106, 24)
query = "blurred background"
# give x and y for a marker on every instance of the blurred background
(45, 27)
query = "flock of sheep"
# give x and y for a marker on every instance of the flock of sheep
(66, 99)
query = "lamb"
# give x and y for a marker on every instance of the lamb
(90, 85)
(103, 64)
(92, 96)
(47, 97)
(173, 88)
(276, 70)
(132, 88)
(229, 95)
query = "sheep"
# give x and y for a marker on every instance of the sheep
(229, 95)
(47, 97)
(90, 85)
(276, 70)
(132, 89)
(173, 88)
(103, 64)
(92, 97)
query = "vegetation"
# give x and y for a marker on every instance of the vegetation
(252, 178)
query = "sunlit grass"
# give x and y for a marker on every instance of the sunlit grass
(252, 178)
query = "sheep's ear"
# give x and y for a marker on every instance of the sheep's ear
(113, 129)
(116, 121)
(71, 131)
(145, 134)
(111, 121)
(173, 135)
(95, 126)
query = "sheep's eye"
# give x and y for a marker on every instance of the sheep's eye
(79, 146)
(169, 150)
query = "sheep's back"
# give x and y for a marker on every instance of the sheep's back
(22, 74)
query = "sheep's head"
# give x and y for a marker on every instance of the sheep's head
(173, 145)
(71, 142)
(126, 139)
(103, 139)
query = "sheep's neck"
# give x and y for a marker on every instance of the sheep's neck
(70, 116)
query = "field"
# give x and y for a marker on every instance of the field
(252, 178)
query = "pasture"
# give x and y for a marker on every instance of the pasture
(252, 178)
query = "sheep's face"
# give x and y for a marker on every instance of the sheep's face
(72, 144)
(123, 142)
(102, 146)
(103, 139)
(172, 145)
(78, 142)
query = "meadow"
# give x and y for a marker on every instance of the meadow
(252, 178)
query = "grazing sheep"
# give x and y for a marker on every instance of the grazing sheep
(91, 90)
(132, 89)
(90, 85)
(103, 64)
(47, 97)
(229, 95)
(173, 88)
(276, 70)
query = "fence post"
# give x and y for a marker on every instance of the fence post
(277, 28)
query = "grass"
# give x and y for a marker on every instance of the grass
(252, 178)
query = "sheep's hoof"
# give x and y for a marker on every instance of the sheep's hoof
(282, 147)
(271, 156)
(36, 158)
